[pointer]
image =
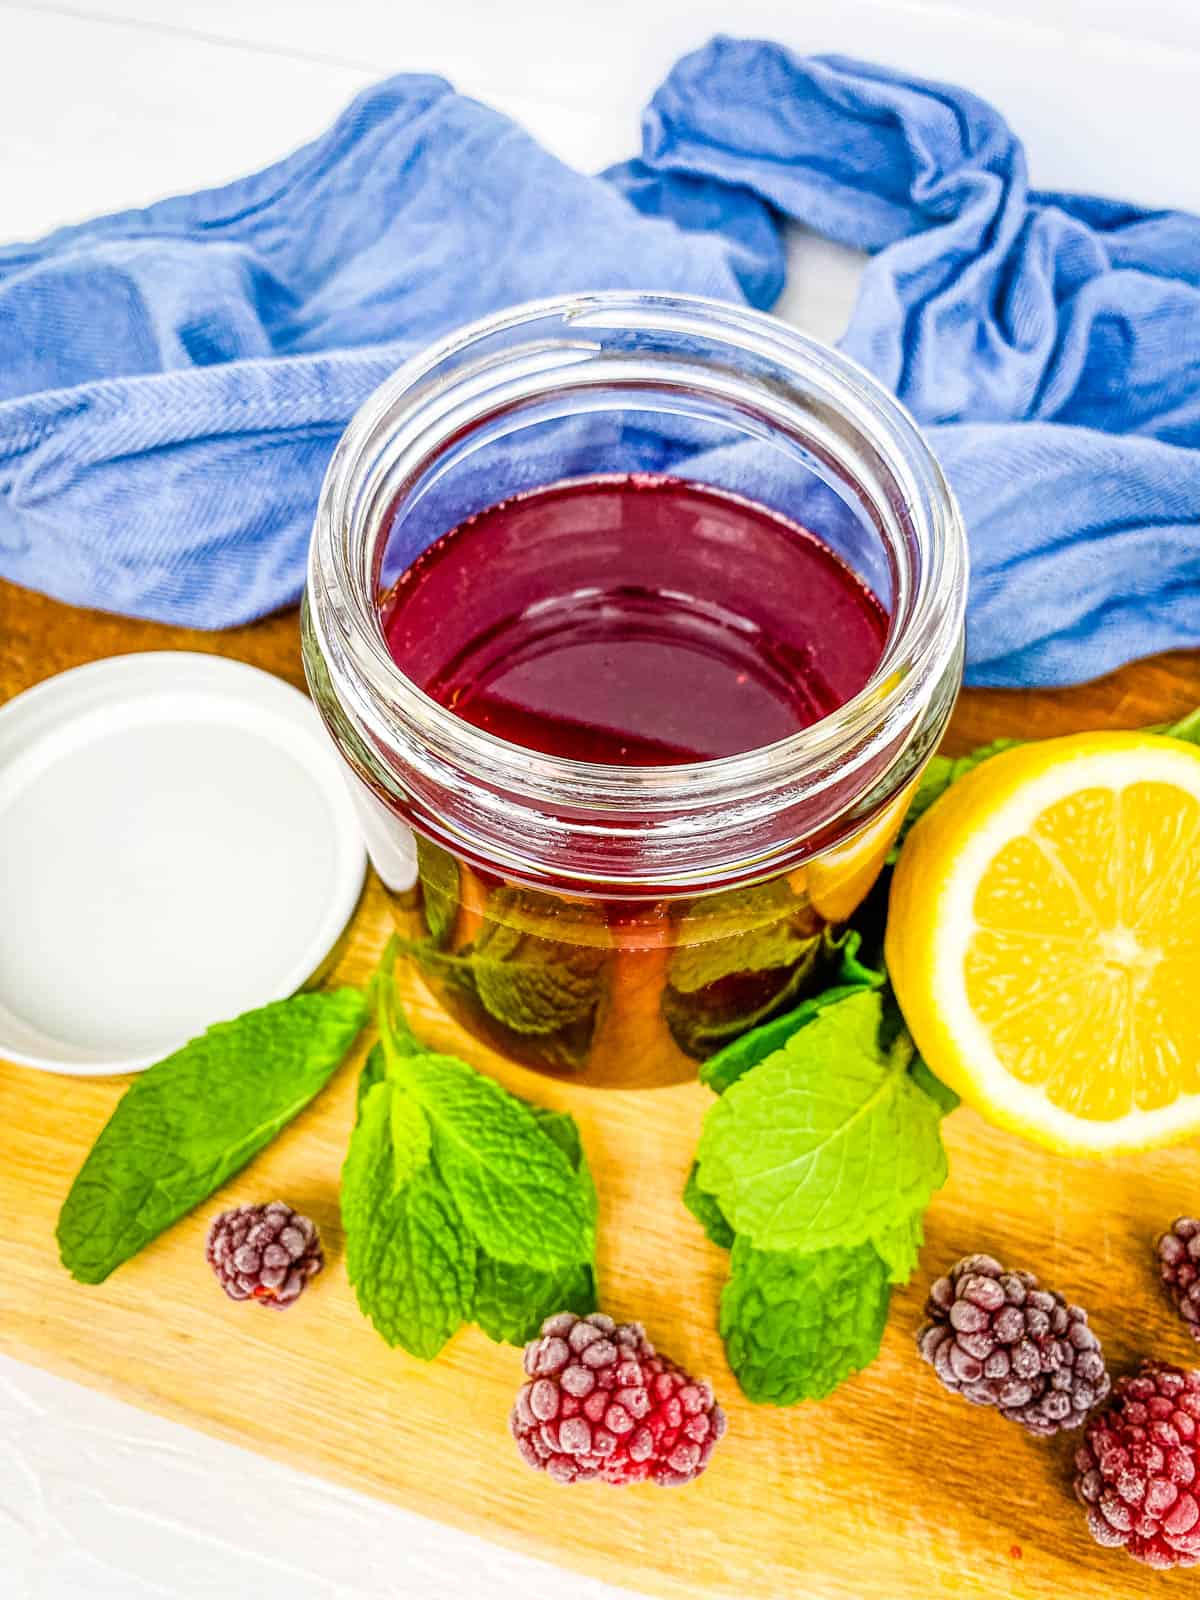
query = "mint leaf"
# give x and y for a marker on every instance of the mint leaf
(706, 1210)
(855, 971)
(1187, 728)
(409, 1255)
(514, 1186)
(744, 955)
(409, 1129)
(797, 1325)
(523, 978)
(706, 1020)
(828, 1140)
(512, 1302)
(728, 1065)
(741, 930)
(899, 1246)
(411, 1141)
(942, 1095)
(414, 1137)
(564, 1130)
(438, 872)
(724, 1069)
(534, 985)
(187, 1124)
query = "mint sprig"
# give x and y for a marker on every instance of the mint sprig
(816, 1243)
(189, 1123)
(816, 1165)
(460, 1202)
(815, 1168)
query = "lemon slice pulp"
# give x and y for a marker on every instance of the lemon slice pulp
(1044, 940)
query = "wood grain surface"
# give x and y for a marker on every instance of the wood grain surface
(890, 1490)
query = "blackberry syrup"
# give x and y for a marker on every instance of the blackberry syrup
(634, 621)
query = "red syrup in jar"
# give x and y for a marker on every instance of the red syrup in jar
(632, 621)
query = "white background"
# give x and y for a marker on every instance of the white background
(113, 103)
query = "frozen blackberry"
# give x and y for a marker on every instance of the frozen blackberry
(999, 1340)
(1138, 1469)
(1179, 1265)
(601, 1403)
(264, 1253)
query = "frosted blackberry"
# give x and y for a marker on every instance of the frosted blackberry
(1179, 1265)
(264, 1253)
(1138, 1469)
(999, 1340)
(600, 1402)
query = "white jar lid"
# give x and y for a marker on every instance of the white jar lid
(177, 845)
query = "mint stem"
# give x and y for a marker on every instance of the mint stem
(395, 1034)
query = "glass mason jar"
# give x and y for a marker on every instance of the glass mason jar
(618, 924)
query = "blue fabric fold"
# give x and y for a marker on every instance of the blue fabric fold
(173, 380)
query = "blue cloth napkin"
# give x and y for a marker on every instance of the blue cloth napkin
(172, 381)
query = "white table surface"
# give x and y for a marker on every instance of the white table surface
(112, 103)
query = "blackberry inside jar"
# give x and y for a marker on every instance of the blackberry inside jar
(635, 619)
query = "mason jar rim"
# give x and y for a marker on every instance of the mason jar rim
(413, 414)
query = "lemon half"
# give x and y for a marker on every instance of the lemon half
(1044, 940)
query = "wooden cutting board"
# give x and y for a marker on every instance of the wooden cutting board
(890, 1490)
